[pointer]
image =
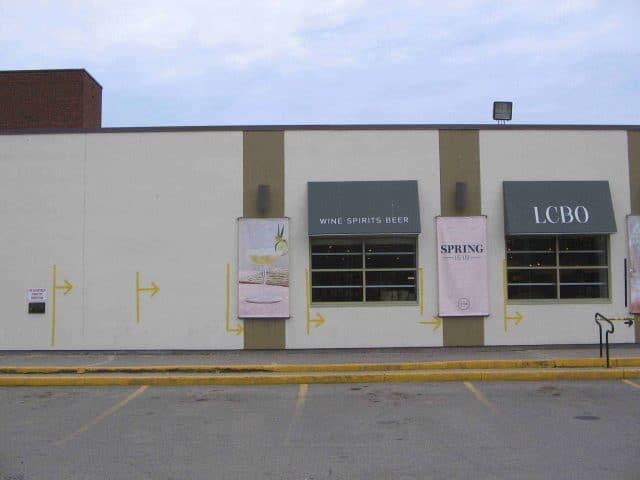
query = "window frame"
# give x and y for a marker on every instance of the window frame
(558, 268)
(363, 269)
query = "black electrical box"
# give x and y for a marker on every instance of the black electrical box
(37, 307)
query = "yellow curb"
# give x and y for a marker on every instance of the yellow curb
(344, 367)
(625, 362)
(299, 378)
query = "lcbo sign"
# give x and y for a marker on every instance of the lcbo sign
(558, 207)
(561, 214)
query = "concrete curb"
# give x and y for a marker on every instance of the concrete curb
(328, 368)
(323, 377)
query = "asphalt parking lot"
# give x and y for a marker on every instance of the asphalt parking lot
(532, 430)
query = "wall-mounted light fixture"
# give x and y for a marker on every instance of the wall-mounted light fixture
(461, 195)
(263, 198)
(502, 111)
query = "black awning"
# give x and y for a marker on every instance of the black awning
(558, 207)
(363, 208)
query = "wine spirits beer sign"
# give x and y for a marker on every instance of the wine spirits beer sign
(363, 208)
(263, 268)
(463, 282)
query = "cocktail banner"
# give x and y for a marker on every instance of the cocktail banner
(633, 234)
(263, 268)
(463, 282)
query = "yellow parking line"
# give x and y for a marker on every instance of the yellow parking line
(101, 417)
(481, 398)
(302, 396)
(633, 384)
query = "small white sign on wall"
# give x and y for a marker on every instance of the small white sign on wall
(36, 295)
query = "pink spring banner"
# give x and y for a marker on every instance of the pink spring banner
(263, 268)
(633, 234)
(463, 281)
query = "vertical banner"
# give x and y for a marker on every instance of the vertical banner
(633, 235)
(463, 281)
(263, 268)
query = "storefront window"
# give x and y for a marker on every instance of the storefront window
(557, 267)
(369, 269)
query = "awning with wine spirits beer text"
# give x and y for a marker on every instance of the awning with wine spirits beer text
(363, 208)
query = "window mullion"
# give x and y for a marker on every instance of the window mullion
(558, 267)
(364, 271)
(390, 278)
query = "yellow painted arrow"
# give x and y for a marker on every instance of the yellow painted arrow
(319, 320)
(67, 287)
(517, 318)
(154, 288)
(239, 329)
(628, 321)
(436, 322)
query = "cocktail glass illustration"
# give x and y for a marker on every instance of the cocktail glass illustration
(263, 258)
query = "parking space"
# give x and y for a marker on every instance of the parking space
(401, 431)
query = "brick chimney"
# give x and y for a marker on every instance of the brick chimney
(49, 99)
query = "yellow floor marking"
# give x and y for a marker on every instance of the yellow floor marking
(101, 417)
(302, 397)
(481, 398)
(633, 384)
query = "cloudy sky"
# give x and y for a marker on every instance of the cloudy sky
(249, 62)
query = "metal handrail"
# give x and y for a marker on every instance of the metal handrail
(606, 336)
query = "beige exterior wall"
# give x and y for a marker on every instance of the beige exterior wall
(361, 155)
(103, 207)
(553, 155)
(41, 210)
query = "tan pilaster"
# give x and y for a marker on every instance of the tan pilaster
(460, 162)
(263, 164)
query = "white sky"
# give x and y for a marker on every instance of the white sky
(250, 62)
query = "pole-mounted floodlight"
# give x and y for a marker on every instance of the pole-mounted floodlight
(502, 111)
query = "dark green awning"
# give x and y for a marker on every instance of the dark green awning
(363, 208)
(558, 207)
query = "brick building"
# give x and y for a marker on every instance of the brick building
(49, 99)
